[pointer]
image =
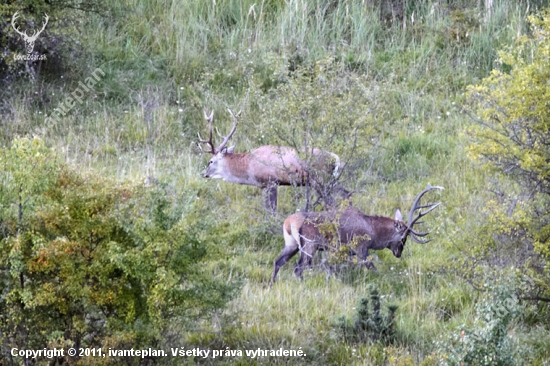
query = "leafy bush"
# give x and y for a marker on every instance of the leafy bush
(487, 342)
(511, 138)
(87, 262)
(322, 105)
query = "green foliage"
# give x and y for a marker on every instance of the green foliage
(87, 262)
(462, 23)
(395, 68)
(489, 340)
(512, 138)
(514, 118)
(323, 105)
(369, 324)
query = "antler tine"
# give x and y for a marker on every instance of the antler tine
(233, 129)
(43, 27)
(211, 151)
(415, 206)
(235, 116)
(422, 214)
(420, 234)
(37, 33)
(418, 240)
(430, 207)
(425, 206)
(413, 233)
(209, 118)
(15, 16)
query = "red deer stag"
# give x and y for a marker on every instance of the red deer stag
(266, 167)
(303, 232)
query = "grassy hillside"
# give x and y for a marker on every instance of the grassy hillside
(389, 78)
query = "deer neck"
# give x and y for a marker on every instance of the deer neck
(237, 165)
(384, 232)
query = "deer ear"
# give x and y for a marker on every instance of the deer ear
(398, 215)
(227, 150)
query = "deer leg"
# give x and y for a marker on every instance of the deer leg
(288, 252)
(370, 265)
(363, 254)
(329, 269)
(306, 258)
(270, 198)
(299, 267)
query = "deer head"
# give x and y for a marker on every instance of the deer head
(403, 231)
(29, 40)
(220, 151)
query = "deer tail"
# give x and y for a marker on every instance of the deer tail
(291, 231)
(336, 170)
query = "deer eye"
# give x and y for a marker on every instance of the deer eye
(400, 227)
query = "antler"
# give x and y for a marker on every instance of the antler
(233, 129)
(24, 34)
(209, 118)
(430, 207)
(36, 34)
(15, 16)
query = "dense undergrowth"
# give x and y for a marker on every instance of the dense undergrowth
(383, 84)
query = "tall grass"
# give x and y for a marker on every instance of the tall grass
(196, 36)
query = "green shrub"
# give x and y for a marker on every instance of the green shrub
(487, 341)
(510, 137)
(369, 324)
(89, 262)
(321, 105)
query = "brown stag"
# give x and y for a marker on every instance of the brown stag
(305, 232)
(266, 167)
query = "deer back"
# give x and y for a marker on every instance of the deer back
(276, 164)
(266, 165)
(373, 232)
